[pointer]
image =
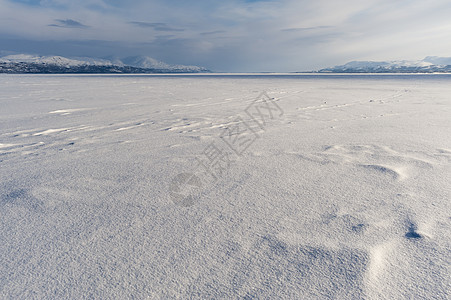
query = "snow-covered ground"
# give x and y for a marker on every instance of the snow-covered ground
(343, 192)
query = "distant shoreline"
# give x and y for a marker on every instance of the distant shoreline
(206, 74)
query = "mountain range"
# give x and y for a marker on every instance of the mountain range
(25, 63)
(430, 64)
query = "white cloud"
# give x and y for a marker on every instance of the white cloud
(285, 35)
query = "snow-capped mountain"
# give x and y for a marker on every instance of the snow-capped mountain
(147, 62)
(25, 63)
(440, 61)
(54, 60)
(430, 64)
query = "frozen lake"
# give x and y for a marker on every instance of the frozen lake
(225, 186)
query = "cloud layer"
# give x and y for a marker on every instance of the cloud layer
(235, 35)
(68, 23)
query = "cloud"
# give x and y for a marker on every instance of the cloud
(155, 26)
(212, 32)
(233, 35)
(68, 23)
(305, 28)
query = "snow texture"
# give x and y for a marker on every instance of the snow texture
(343, 196)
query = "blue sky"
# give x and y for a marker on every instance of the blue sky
(230, 35)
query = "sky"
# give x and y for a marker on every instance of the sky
(230, 35)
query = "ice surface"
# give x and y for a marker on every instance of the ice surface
(343, 196)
